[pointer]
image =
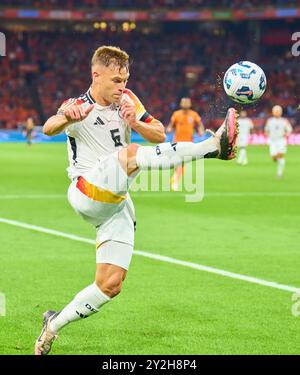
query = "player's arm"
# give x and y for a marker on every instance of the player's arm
(267, 130)
(199, 127)
(68, 113)
(251, 127)
(153, 131)
(172, 124)
(288, 128)
(136, 117)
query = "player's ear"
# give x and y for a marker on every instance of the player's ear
(95, 75)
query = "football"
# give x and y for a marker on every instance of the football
(245, 82)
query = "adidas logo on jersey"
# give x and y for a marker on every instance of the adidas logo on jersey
(98, 121)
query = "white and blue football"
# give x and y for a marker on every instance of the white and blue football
(245, 82)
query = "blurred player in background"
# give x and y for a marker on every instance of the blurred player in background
(185, 122)
(29, 130)
(277, 130)
(103, 164)
(245, 127)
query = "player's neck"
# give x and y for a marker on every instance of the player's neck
(98, 98)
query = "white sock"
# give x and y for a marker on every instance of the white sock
(280, 166)
(168, 155)
(243, 155)
(85, 303)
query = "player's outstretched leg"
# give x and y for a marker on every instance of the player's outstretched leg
(113, 260)
(87, 302)
(227, 136)
(221, 145)
(44, 342)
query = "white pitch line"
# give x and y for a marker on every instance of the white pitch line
(219, 194)
(46, 230)
(33, 196)
(150, 194)
(161, 258)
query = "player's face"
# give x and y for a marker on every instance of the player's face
(277, 111)
(185, 103)
(110, 82)
(243, 114)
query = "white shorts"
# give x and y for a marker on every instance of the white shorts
(242, 142)
(278, 147)
(100, 196)
(117, 253)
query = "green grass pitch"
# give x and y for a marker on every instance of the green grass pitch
(163, 308)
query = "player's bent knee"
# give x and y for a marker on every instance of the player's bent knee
(127, 158)
(132, 150)
(112, 286)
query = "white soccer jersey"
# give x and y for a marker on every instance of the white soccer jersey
(277, 128)
(101, 133)
(245, 125)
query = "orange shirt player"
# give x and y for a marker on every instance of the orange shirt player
(185, 122)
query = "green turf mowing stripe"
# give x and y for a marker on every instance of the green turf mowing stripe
(199, 267)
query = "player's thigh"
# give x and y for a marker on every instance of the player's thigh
(120, 229)
(115, 240)
(273, 149)
(282, 148)
(101, 192)
(277, 149)
(109, 175)
(114, 250)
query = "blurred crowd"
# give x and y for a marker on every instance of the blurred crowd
(16, 103)
(148, 4)
(164, 68)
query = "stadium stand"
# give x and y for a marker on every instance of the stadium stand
(143, 4)
(43, 68)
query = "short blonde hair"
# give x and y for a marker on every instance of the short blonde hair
(107, 55)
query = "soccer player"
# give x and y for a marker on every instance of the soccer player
(277, 129)
(28, 130)
(245, 127)
(103, 164)
(185, 122)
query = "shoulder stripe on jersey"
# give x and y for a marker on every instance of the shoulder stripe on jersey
(84, 97)
(90, 98)
(87, 97)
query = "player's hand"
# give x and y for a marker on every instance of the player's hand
(169, 129)
(76, 112)
(128, 113)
